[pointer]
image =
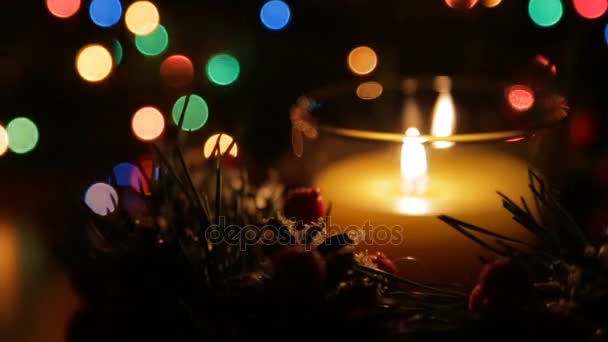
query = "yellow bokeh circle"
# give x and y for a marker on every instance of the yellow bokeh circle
(3, 140)
(142, 18)
(362, 60)
(225, 142)
(148, 123)
(94, 63)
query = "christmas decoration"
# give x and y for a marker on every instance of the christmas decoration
(304, 205)
(504, 289)
(209, 270)
(383, 263)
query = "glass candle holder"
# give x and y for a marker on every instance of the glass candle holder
(391, 155)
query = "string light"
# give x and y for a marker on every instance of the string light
(117, 51)
(148, 123)
(491, 3)
(362, 60)
(129, 175)
(590, 9)
(369, 90)
(153, 44)
(196, 113)
(3, 140)
(520, 97)
(105, 13)
(275, 15)
(94, 63)
(544, 62)
(223, 69)
(461, 4)
(63, 8)
(514, 140)
(177, 71)
(22, 135)
(545, 13)
(142, 18)
(147, 165)
(225, 141)
(101, 198)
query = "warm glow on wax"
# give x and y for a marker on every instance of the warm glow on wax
(413, 164)
(444, 113)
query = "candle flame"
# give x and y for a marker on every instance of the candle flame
(444, 116)
(413, 163)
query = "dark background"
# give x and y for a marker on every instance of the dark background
(85, 128)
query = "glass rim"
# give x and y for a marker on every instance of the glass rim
(552, 110)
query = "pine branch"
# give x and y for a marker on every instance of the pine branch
(456, 225)
(381, 274)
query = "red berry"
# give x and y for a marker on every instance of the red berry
(506, 286)
(383, 262)
(304, 205)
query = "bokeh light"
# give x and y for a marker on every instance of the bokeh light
(582, 130)
(129, 175)
(606, 34)
(362, 60)
(225, 141)
(63, 8)
(520, 97)
(94, 63)
(117, 51)
(22, 135)
(491, 3)
(545, 63)
(369, 90)
(516, 139)
(461, 4)
(196, 113)
(105, 13)
(542, 60)
(275, 14)
(142, 18)
(223, 69)
(545, 13)
(153, 44)
(101, 198)
(590, 9)
(177, 71)
(3, 140)
(147, 165)
(148, 123)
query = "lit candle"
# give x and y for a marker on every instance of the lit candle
(395, 203)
